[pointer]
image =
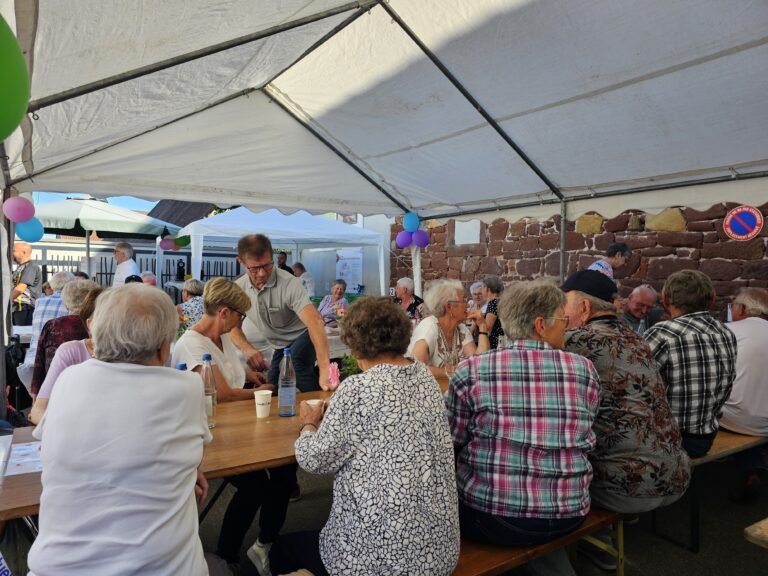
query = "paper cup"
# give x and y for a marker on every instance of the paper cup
(313, 402)
(263, 400)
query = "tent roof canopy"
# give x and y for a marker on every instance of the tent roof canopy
(438, 106)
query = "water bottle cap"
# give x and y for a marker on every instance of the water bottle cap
(286, 350)
(181, 366)
(206, 357)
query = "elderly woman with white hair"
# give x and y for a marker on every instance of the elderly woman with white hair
(407, 300)
(191, 307)
(122, 440)
(442, 340)
(521, 418)
(60, 330)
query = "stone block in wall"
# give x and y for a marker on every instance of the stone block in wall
(439, 261)
(657, 251)
(584, 260)
(637, 241)
(616, 224)
(510, 247)
(714, 211)
(510, 268)
(735, 250)
(549, 241)
(574, 241)
(642, 270)
(602, 241)
(552, 264)
(437, 238)
(629, 268)
(535, 253)
(468, 250)
(757, 269)
(490, 267)
(686, 239)
(661, 268)
(528, 267)
(636, 223)
(710, 237)
(472, 264)
(758, 283)
(702, 226)
(495, 248)
(721, 269)
(529, 243)
(589, 224)
(498, 230)
(456, 264)
(669, 220)
(517, 228)
(728, 288)
(533, 229)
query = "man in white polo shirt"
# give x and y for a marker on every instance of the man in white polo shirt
(126, 265)
(283, 314)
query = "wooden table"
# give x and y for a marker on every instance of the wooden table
(241, 443)
(758, 533)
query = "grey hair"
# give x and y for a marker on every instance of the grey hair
(754, 300)
(523, 302)
(73, 294)
(439, 292)
(475, 286)
(131, 323)
(598, 304)
(59, 279)
(494, 284)
(406, 283)
(194, 287)
(147, 274)
(340, 282)
(642, 287)
(125, 248)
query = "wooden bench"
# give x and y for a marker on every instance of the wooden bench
(726, 444)
(478, 559)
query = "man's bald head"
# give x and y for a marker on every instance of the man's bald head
(22, 252)
(641, 300)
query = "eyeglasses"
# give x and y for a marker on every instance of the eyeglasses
(241, 314)
(266, 268)
(563, 319)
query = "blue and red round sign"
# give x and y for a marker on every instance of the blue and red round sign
(743, 223)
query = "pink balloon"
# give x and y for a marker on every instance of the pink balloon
(421, 238)
(167, 243)
(404, 239)
(18, 209)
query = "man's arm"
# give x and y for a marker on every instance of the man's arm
(18, 290)
(316, 328)
(253, 357)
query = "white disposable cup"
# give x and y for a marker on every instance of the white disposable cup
(313, 402)
(263, 400)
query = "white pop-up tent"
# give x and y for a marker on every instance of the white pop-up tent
(301, 230)
(443, 107)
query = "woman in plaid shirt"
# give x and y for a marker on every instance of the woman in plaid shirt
(521, 419)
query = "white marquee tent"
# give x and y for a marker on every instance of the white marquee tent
(445, 107)
(301, 230)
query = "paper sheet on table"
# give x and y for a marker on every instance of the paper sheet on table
(24, 459)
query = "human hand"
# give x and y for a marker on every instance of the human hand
(477, 317)
(201, 487)
(255, 359)
(313, 414)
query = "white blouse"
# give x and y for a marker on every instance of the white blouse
(191, 347)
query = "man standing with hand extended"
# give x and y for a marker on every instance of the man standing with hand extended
(283, 313)
(27, 282)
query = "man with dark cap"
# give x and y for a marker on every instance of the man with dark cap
(639, 463)
(617, 255)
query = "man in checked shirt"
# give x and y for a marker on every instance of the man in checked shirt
(696, 355)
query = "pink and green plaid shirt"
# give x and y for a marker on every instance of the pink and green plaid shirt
(521, 419)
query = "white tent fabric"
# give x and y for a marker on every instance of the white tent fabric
(346, 112)
(300, 229)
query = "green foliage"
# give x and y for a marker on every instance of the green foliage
(348, 367)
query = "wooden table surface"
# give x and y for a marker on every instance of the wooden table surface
(241, 443)
(758, 533)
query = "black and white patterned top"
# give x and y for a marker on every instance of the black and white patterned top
(696, 355)
(385, 435)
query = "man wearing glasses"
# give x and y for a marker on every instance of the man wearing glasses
(283, 314)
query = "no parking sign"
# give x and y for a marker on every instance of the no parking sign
(743, 223)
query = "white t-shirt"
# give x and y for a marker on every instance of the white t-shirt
(308, 281)
(121, 444)
(127, 268)
(746, 410)
(191, 347)
(429, 331)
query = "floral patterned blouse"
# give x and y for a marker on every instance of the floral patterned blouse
(639, 449)
(329, 309)
(192, 310)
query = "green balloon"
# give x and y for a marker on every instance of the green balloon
(183, 241)
(14, 80)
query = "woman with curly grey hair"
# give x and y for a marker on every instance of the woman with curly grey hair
(385, 436)
(442, 340)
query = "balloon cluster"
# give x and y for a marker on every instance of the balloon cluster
(175, 244)
(21, 211)
(412, 234)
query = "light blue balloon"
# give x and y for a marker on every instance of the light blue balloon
(30, 231)
(411, 222)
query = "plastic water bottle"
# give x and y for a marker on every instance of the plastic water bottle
(642, 326)
(181, 366)
(209, 389)
(286, 386)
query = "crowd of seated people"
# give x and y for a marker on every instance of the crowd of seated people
(579, 408)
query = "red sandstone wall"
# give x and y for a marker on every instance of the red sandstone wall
(529, 249)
